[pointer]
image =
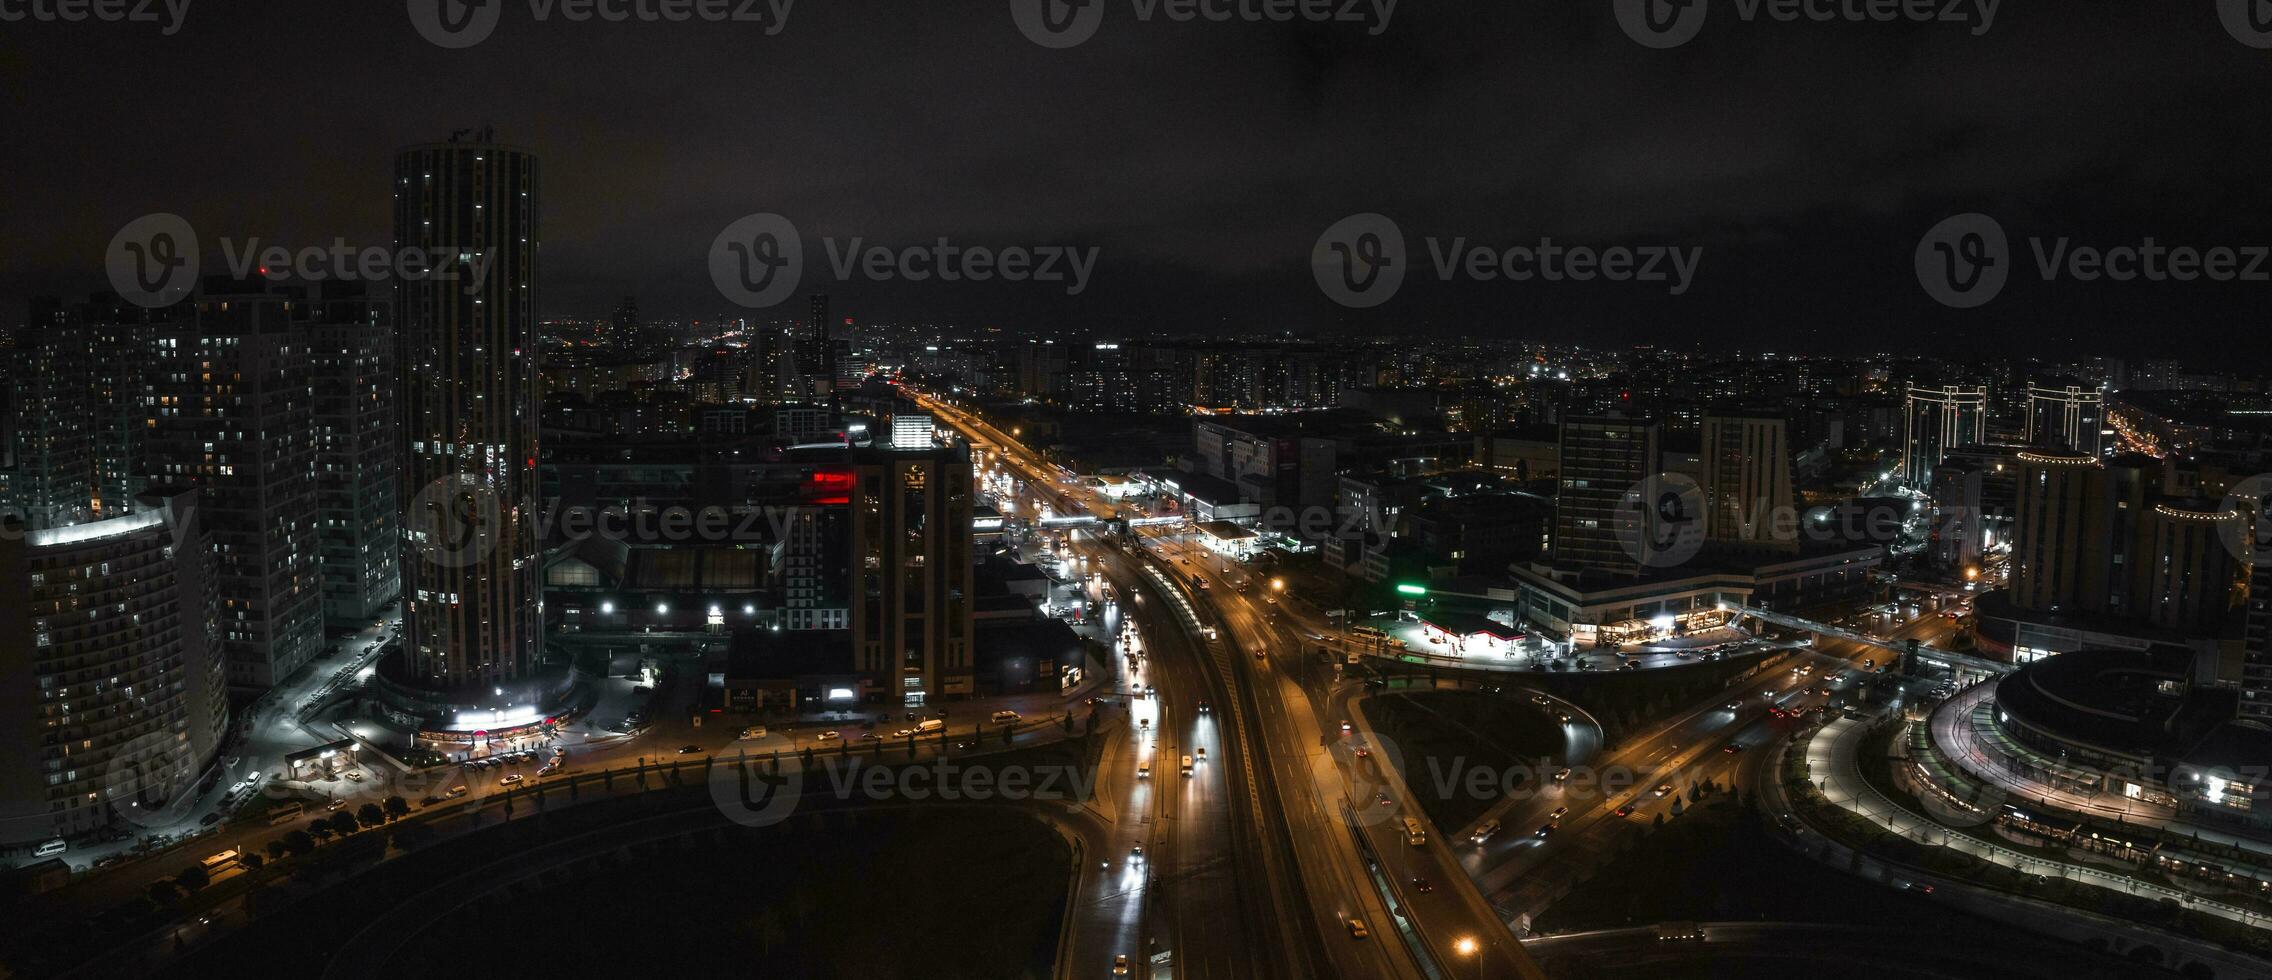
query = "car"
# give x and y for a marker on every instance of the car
(1561, 775)
(1564, 717)
(1663, 790)
(1624, 811)
(1201, 752)
(1145, 723)
(829, 736)
(1484, 830)
(1543, 830)
(354, 775)
(1423, 885)
(1203, 706)
(1120, 964)
(510, 779)
(1345, 729)
(1382, 797)
(209, 819)
(1735, 706)
(689, 749)
(1362, 751)
(335, 804)
(1357, 929)
(1136, 854)
(1143, 770)
(1559, 813)
(1732, 748)
(429, 800)
(1187, 765)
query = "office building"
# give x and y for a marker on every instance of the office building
(1937, 420)
(912, 567)
(112, 698)
(466, 355)
(1748, 497)
(911, 430)
(2072, 418)
(1604, 460)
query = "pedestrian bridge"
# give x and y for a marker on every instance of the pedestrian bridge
(1930, 654)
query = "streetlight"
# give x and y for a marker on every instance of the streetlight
(1466, 946)
(1277, 585)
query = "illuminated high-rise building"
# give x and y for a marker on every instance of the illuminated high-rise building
(1938, 419)
(1748, 497)
(2071, 417)
(467, 357)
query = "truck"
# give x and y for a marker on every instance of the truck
(1415, 833)
(930, 725)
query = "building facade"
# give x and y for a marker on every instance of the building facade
(466, 354)
(1748, 497)
(112, 696)
(358, 489)
(1939, 418)
(1603, 460)
(912, 566)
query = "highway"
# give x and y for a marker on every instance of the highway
(1318, 874)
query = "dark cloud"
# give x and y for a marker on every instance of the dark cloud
(1204, 159)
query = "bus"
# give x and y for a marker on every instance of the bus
(220, 862)
(1415, 833)
(285, 812)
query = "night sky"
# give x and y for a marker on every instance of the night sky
(1205, 159)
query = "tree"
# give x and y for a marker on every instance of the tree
(369, 815)
(252, 862)
(299, 842)
(396, 807)
(276, 847)
(193, 878)
(320, 828)
(343, 823)
(164, 892)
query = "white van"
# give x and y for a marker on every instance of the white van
(930, 725)
(1187, 765)
(51, 848)
(1005, 716)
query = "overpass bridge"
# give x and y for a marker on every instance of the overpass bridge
(1906, 648)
